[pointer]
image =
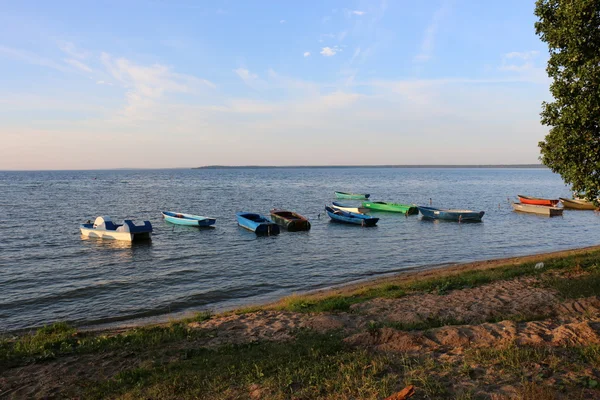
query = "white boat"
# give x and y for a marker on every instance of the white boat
(348, 207)
(104, 228)
(534, 209)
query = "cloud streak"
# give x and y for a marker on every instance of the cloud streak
(428, 42)
(79, 65)
(30, 58)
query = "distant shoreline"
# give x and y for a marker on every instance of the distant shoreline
(538, 166)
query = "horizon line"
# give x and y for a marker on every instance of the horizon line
(217, 166)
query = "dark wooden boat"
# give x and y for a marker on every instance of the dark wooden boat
(290, 220)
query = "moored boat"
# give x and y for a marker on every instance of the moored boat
(348, 207)
(391, 207)
(257, 223)
(290, 220)
(187, 219)
(104, 228)
(451, 214)
(577, 204)
(537, 201)
(352, 196)
(535, 209)
(350, 218)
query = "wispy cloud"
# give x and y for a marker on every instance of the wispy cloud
(428, 42)
(146, 85)
(79, 65)
(525, 64)
(246, 75)
(307, 54)
(356, 54)
(71, 50)
(103, 83)
(357, 12)
(342, 35)
(282, 21)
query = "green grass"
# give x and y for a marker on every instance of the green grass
(199, 317)
(46, 342)
(61, 339)
(574, 288)
(328, 304)
(511, 358)
(311, 366)
(442, 285)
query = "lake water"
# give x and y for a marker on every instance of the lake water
(49, 273)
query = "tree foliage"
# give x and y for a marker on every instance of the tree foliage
(571, 28)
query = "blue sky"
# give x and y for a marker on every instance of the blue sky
(159, 83)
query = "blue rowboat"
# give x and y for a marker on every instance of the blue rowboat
(257, 223)
(350, 218)
(348, 207)
(351, 196)
(451, 215)
(187, 219)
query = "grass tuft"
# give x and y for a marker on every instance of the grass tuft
(574, 288)
(327, 304)
(61, 339)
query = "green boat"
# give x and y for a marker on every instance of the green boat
(391, 207)
(351, 196)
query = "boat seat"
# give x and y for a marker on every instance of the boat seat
(129, 226)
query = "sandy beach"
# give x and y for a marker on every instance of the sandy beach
(520, 327)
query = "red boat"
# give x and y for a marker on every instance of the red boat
(537, 201)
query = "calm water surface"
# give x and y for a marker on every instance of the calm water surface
(49, 273)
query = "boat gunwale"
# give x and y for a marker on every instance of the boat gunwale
(191, 217)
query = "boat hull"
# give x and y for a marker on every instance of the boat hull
(348, 207)
(577, 204)
(391, 207)
(352, 196)
(539, 210)
(537, 201)
(88, 231)
(263, 226)
(451, 215)
(187, 219)
(289, 220)
(350, 218)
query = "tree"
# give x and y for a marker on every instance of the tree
(571, 28)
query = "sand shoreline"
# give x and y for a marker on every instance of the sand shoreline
(415, 273)
(498, 329)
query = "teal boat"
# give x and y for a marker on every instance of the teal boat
(187, 219)
(351, 196)
(391, 207)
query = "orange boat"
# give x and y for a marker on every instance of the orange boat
(537, 201)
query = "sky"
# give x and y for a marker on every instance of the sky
(174, 83)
